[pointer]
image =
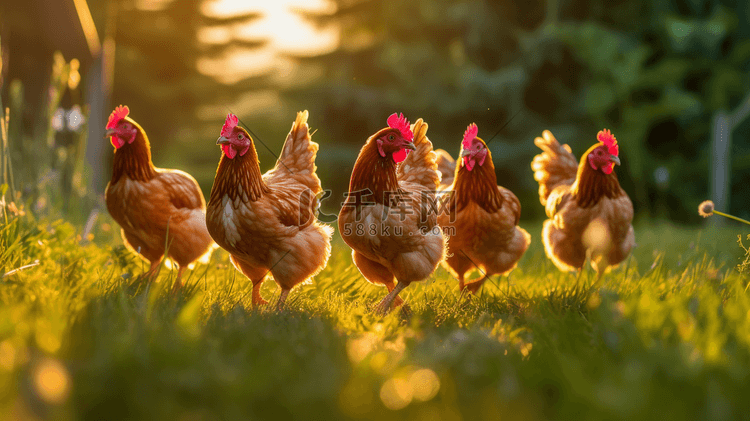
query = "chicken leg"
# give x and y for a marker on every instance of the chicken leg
(257, 298)
(473, 285)
(178, 281)
(152, 272)
(385, 304)
(398, 301)
(282, 299)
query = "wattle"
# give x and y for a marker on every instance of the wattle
(116, 142)
(400, 155)
(469, 163)
(228, 151)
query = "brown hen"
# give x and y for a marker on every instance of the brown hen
(390, 217)
(590, 215)
(267, 222)
(479, 217)
(149, 202)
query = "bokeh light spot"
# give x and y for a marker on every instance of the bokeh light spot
(425, 384)
(396, 393)
(51, 381)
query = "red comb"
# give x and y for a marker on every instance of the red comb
(229, 125)
(608, 139)
(118, 114)
(469, 135)
(400, 122)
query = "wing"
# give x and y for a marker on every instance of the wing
(555, 166)
(297, 160)
(296, 204)
(419, 166)
(556, 200)
(512, 202)
(181, 189)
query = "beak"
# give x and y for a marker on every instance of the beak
(222, 140)
(109, 133)
(615, 159)
(410, 145)
(465, 152)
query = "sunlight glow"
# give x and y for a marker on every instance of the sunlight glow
(261, 102)
(237, 64)
(152, 5)
(284, 30)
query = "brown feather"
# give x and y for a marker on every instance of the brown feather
(592, 185)
(478, 186)
(242, 171)
(134, 160)
(373, 172)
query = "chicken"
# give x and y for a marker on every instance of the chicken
(268, 222)
(150, 202)
(590, 215)
(479, 217)
(446, 165)
(389, 218)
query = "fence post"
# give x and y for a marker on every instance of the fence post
(721, 145)
(721, 162)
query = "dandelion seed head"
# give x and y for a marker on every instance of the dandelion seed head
(706, 209)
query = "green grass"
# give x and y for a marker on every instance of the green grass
(667, 336)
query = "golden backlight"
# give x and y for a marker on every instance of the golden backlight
(284, 30)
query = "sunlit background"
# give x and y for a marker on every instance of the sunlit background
(662, 75)
(667, 332)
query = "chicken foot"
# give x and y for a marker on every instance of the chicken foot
(178, 281)
(384, 305)
(151, 273)
(257, 299)
(398, 301)
(282, 299)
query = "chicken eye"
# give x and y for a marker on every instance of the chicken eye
(240, 136)
(391, 137)
(477, 147)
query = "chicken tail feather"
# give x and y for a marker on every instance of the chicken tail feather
(555, 166)
(420, 166)
(297, 158)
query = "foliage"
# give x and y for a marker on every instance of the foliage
(157, 52)
(652, 71)
(41, 168)
(79, 339)
(744, 267)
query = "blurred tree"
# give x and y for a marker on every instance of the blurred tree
(156, 73)
(687, 61)
(653, 72)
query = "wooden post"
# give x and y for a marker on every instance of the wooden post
(721, 164)
(98, 98)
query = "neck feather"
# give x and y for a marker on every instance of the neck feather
(239, 178)
(592, 185)
(478, 185)
(375, 173)
(133, 160)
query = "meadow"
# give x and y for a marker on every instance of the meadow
(665, 336)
